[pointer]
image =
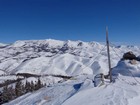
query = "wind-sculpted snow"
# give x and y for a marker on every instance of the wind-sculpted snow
(119, 93)
(59, 57)
(81, 91)
(127, 69)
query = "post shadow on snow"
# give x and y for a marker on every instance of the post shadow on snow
(77, 86)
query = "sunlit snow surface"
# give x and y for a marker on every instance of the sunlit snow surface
(81, 91)
(83, 60)
(59, 57)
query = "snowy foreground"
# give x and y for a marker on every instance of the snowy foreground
(81, 91)
(82, 60)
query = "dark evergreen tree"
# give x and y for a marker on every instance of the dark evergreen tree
(4, 94)
(38, 85)
(1, 101)
(27, 86)
(9, 93)
(18, 88)
(32, 86)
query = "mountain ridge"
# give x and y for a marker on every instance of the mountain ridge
(58, 57)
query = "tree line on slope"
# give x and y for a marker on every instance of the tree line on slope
(9, 93)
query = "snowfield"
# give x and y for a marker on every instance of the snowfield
(124, 91)
(82, 60)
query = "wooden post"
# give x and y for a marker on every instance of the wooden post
(108, 53)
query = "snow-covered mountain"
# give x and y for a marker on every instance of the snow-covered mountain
(58, 57)
(3, 45)
(82, 60)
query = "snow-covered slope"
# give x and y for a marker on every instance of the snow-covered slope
(81, 91)
(127, 69)
(83, 60)
(58, 57)
(3, 45)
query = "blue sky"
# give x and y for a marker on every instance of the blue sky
(70, 20)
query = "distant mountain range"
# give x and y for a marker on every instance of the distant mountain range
(59, 57)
